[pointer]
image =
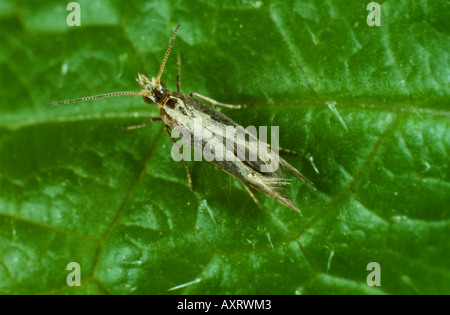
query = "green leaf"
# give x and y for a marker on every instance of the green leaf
(366, 108)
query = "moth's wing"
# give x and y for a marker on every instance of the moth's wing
(272, 186)
(247, 169)
(243, 144)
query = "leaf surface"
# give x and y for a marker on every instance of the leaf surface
(366, 108)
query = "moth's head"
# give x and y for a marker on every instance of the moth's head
(155, 91)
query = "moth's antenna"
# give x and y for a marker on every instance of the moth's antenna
(161, 69)
(87, 98)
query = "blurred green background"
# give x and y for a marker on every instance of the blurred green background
(366, 108)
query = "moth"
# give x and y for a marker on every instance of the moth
(178, 110)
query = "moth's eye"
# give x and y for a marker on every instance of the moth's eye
(148, 100)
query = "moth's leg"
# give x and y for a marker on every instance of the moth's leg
(191, 187)
(284, 150)
(148, 122)
(178, 73)
(252, 195)
(213, 102)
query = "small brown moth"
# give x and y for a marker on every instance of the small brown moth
(183, 112)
